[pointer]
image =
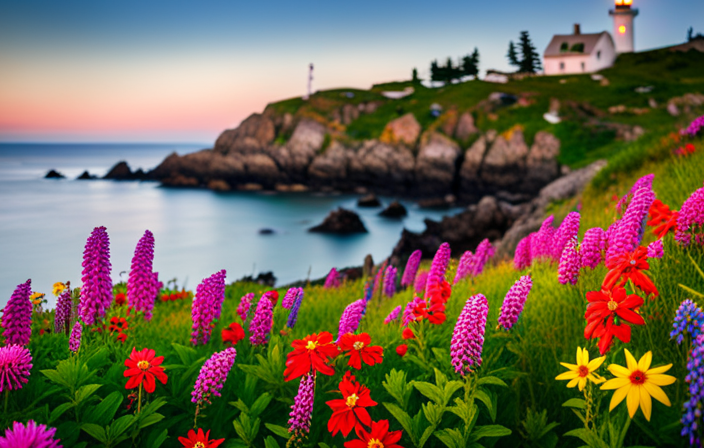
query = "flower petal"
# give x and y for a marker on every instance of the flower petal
(657, 393)
(615, 383)
(630, 361)
(633, 400)
(573, 382)
(660, 380)
(618, 396)
(644, 362)
(658, 370)
(567, 375)
(646, 403)
(619, 371)
(595, 363)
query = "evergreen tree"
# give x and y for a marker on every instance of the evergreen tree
(450, 71)
(434, 71)
(512, 56)
(530, 60)
(690, 34)
(414, 76)
(467, 66)
(475, 61)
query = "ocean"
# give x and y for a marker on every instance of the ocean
(44, 223)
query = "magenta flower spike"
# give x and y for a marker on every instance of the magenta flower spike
(244, 306)
(15, 365)
(263, 320)
(570, 263)
(695, 126)
(333, 279)
(484, 251)
(593, 246)
(514, 301)
(351, 317)
(691, 219)
(522, 258)
(421, 282)
(206, 306)
(289, 298)
(293, 314)
(568, 229)
(628, 232)
(393, 315)
(17, 316)
(142, 285)
(30, 436)
(302, 409)
(655, 249)
(645, 181)
(390, 281)
(409, 274)
(437, 268)
(74, 342)
(212, 376)
(541, 244)
(408, 316)
(379, 278)
(62, 316)
(96, 293)
(463, 267)
(468, 337)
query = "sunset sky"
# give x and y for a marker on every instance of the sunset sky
(182, 71)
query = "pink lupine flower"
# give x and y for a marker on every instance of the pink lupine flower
(463, 267)
(293, 315)
(15, 365)
(421, 281)
(628, 233)
(593, 246)
(437, 269)
(564, 234)
(390, 281)
(289, 298)
(655, 249)
(409, 274)
(142, 285)
(263, 320)
(32, 435)
(302, 409)
(62, 317)
(393, 315)
(570, 263)
(522, 258)
(645, 181)
(212, 376)
(333, 279)
(351, 317)
(96, 293)
(541, 243)
(408, 315)
(484, 251)
(74, 342)
(691, 219)
(245, 305)
(17, 316)
(468, 336)
(695, 126)
(379, 278)
(206, 306)
(514, 301)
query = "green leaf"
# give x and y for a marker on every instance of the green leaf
(489, 401)
(150, 420)
(690, 290)
(403, 419)
(396, 385)
(426, 435)
(587, 437)
(431, 391)
(55, 377)
(270, 442)
(433, 412)
(260, 404)
(465, 411)
(278, 430)
(324, 445)
(450, 389)
(186, 354)
(451, 437)
(160, 439)
(59, 411)
(576, 403)
(239, 404)
(119, 426)
(440, 378)
(95, 431)
(492, 380)
(84, 392)
(489, 431)
(104, 412)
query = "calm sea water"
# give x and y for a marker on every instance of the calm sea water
(44, 223)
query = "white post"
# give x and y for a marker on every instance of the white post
(310, 82)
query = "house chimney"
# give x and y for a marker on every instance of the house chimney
(577, 30)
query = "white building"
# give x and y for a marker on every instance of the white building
(623, 16)
(579, 53)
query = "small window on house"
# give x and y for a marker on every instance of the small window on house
(578, 47)
(562, 65)
(582, 66)
(564, 47)
(598, 54)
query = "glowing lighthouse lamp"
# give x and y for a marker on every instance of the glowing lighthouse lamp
(623, 16)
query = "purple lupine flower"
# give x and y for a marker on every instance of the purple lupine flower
(393, 315)
(289, 298)
(570, 263)
(302, 409)
(390, 281)
(421, 281)
(628, 233)
(522, 258)
(333, 279)
(437, 268)
(408, 316)
(30, 436)
(17, 316)
(351, 317)
(15, 365)
(96, 293)
(463, 267)
(245, 305)
(655, 249)
(541, 243)
(212, 376)
(293, 314)
(645, 181)
(62, 316)
(368, 291)
(482, 254)
(515, 298)
(409, 274)
(141, 285)
(206, 305)
(74, 342)
(689, 318)
(692, 416)
(592, 247)
(218, 296)
(695, 126)
(691, 219)
(379, 278)
(263, 320)
(468, 336)
(568, 229)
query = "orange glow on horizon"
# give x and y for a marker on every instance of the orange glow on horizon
(622, 29)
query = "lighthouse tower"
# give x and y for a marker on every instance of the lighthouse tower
(623, 16)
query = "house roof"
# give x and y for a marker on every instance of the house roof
(589, 41)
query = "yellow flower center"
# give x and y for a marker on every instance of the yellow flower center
(311, 345)
(352, 400)
(637, 378)
(612, 305)
(583, 371)
(375, 443)
(143, 365)
(199, 445)
(359, 345)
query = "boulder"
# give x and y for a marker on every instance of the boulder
(465, 127)
(382, 167)
(394, 210)
(218, 185)
(261, 168)
(470, 182)
(340, 221)
(86, 176)
(504, 163)
(253, 134)
(541, 163)
(405, 129)
(348, 114)
(369, 200)
(203, 166)
(436, 165)
(180, 181)
(53, 174)
(305, 143)
(330, 167)
(368, 265)
(121, 171)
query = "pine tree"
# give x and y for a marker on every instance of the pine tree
(434, 71)
(414, 76)
(475, 61)
(450, 71)
(512, 56)
(530, 60)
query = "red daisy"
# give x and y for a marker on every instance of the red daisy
(122, 337)
(311, 352)
(349, 412)
(120, 298)
(358, 349)
(408, 334)
(401, 350)
(233, 334)
(662, 218)
(199, 440)
(118, 324)
(630, 266)
(378, 437)
(603, 308)
(142, 367)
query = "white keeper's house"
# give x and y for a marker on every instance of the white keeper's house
(579, 53)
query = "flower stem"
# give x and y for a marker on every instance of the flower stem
(7, 397)
(588, 407)
(139, 400)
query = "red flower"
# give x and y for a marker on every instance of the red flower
(349, 412)
(662, 218)
(408, 334)
(233, 334)
(274, 296)
(630, 266)
(311, 352)
(378, 437)
(603, 308)
(358, 349)
(142, 367)
(120, 298)
(199, 440)
(122, 337)
(439, 294)
(401, 350)
(118, 324)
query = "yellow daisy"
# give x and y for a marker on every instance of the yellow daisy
(58, 288)
(638, 382)
(582, 371)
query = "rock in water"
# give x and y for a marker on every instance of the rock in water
(340, 221)
(368, 266)
(86, 176)
(121, 171)
(53, 174)
(369, 200)
(394, 210)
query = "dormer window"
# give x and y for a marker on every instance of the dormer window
(564, 47)
(577, 48)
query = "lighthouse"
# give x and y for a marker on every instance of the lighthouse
(623, 15)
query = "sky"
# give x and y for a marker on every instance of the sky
(183, 71)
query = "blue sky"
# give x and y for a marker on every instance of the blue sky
(183, 70)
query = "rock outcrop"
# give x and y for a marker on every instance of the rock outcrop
(340, 221)
(405, 129)
(436, 165)
(53, 174)
(394, 210)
